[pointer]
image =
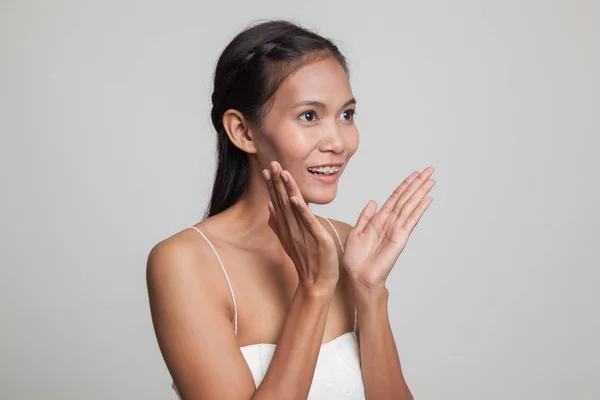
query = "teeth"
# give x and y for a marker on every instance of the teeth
(325, 170)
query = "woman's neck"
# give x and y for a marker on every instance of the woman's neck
(250, 214)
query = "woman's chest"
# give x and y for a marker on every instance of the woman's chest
(264, 288)
(337, 373)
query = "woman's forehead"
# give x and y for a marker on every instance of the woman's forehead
(323, 81)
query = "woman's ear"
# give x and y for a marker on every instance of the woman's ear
(239, 131)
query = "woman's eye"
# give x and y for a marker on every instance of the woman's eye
(308, 116)
(348, 115)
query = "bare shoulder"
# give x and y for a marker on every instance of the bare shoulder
(192, 319)
(182, 270)
(180, 255)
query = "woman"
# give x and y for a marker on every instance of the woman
(263, 299)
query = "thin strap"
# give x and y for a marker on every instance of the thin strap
(226, 277)
(336, 234)
(342, 246)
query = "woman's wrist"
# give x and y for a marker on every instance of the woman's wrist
(317, 291)
(370, 296)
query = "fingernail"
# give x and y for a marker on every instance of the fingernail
(284, 177)
(295, 200)
(274, 167)
(266, 174)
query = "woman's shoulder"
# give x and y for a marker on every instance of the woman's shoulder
(181, 245)
(181, 255)
(190, 241)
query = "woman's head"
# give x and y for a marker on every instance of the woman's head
(281, 93)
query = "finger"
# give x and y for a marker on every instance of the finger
(293, 191)
(412, 188)
(283, 197)
(416, 215)
(365, 216)
(388, 206)
(273, 195)
(273, 223)
(290, 184)
(309, 219)
(415, 200)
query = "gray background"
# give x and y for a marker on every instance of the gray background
(107, 149)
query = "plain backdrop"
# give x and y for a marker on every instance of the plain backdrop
(107, 148)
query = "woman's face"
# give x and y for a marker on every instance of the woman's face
(310, 129)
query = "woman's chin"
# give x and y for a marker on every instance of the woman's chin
(322, 196)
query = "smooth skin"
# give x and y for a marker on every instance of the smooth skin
(293, 286)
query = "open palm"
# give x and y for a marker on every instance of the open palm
(379, 237)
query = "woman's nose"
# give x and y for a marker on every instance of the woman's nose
(332, 140)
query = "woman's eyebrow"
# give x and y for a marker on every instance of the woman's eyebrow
(318, 104)
(349, 102)
(312, 103)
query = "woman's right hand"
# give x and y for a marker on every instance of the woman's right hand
(304, 239)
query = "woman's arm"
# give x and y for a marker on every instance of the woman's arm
(195, 332)
(380, 363)
(291, 371)
(381, 371)
(372, 249)
(193, 324)
(314, 254)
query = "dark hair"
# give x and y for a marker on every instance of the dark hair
(249, 72)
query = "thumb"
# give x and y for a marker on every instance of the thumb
(365, 216)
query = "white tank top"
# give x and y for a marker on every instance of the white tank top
(337, 374)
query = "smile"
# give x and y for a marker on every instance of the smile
(326, 170)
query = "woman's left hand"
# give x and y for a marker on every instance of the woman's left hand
(375, 243)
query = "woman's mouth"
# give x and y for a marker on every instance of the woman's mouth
(326, 174)
(325, 171)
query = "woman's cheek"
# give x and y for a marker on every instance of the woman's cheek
(353, 144)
